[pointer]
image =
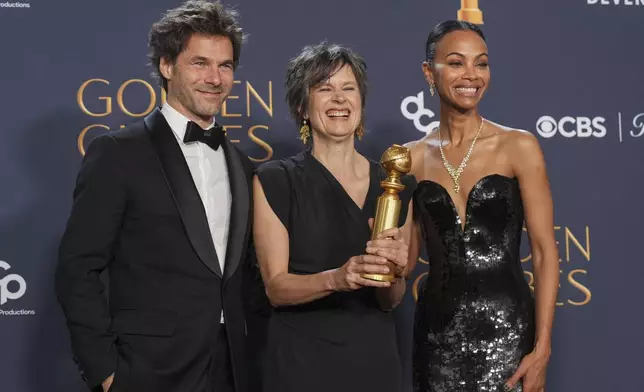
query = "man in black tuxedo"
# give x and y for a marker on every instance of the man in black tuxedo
(164, 206)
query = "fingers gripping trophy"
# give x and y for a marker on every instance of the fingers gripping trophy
(396, 161)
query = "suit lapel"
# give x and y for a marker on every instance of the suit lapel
(239, 211)
(183, 189)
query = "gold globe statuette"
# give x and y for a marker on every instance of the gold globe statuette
(396, 161)
(470, 12)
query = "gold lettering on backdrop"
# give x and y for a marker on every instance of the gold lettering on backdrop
(261, 143)
(584, 251)
(81, 137)
(251, 91)
(579, 286)
(559, 286)
(80, 99)
(572, 279)
(125, 100)
(529, 256)
(531, 281)
(224, 106)
(414, 287)
(152, 102)
(530, 276)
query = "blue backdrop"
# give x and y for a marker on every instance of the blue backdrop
(569, 71)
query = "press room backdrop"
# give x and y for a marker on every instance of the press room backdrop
(569, 71)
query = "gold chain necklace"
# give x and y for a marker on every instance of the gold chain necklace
(456, 174)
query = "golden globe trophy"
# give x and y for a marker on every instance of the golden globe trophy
(396, 161)
(470, 12)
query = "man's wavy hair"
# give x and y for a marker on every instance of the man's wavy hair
(169, 36)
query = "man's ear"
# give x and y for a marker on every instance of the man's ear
(166, 67)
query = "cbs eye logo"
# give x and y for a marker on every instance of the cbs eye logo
(570, 127)
(5, 290)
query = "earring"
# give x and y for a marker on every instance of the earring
(360, 131)
(431, 89)
(305, 131)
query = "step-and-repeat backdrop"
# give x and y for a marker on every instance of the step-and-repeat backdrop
(569, 71)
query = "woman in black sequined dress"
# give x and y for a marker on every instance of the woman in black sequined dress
(478, 326)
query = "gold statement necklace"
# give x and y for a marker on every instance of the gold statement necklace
(456, 174)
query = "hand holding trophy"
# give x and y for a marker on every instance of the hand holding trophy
(396, 161)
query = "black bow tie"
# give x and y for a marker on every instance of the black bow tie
(214, 136)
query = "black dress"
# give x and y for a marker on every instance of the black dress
(342, 342)
(475, 316)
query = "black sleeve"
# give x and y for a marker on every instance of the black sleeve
(409, 181)
(86, 249)
(277, 189)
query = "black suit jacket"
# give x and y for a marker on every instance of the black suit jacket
(137, 213)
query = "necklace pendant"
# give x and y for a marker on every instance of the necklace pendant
(456, 173)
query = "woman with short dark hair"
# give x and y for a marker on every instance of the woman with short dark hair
(331, 329)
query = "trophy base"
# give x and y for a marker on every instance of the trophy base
(472, 15)
(379, 277)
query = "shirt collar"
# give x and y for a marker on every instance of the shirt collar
(177, 121)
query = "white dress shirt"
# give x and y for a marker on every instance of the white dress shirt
(210, 174)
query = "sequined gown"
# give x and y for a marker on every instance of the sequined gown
(475, 314)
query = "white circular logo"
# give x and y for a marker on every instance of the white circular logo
(5, 294)
(546, 126)
(421, 111)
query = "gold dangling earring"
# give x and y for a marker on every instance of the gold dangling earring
(360, 131)
(431, 89)
(305, 131)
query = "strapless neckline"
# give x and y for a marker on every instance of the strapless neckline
(462, 223)
(475, 317)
